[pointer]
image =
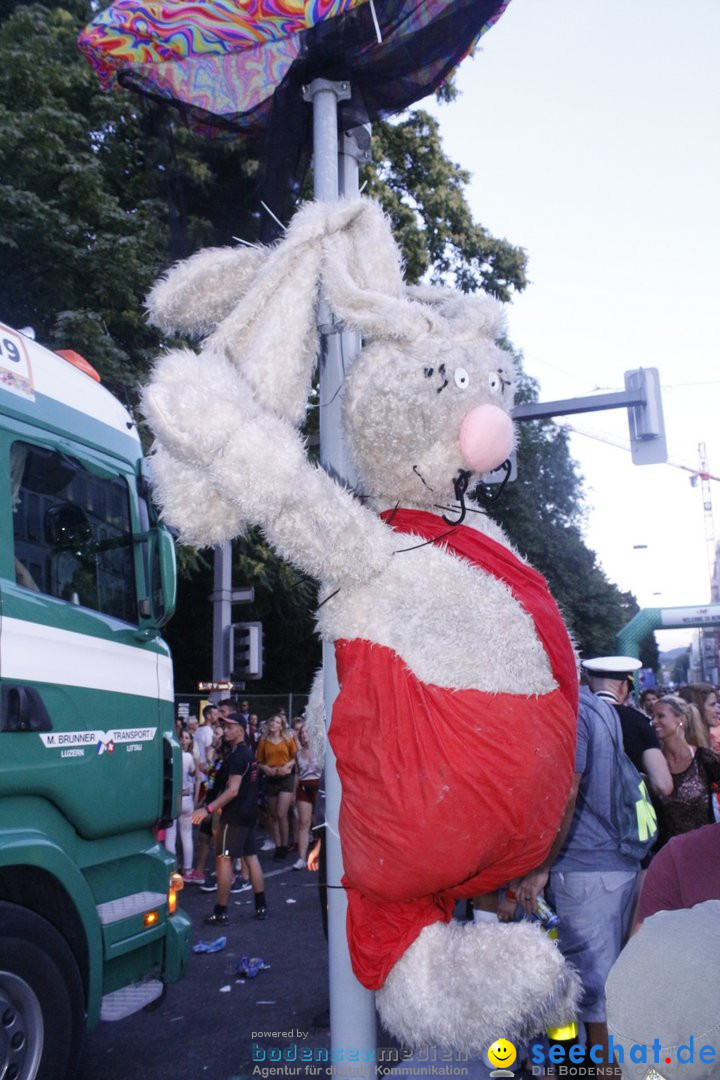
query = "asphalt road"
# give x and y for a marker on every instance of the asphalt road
(204, 1026)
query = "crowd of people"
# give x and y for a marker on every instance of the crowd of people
(601, 890)
(238, 776)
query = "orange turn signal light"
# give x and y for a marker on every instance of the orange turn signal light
(176, 884)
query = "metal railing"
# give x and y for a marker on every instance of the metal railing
(264, 705)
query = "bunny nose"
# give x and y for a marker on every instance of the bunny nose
(486, 438)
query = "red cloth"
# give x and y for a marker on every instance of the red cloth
(446, 793)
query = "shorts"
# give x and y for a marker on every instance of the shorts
(275, 784)
(595, 909)
(307, 791)
(235, 841)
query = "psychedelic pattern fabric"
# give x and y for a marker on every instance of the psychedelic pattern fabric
(221, 61)
(134, 33)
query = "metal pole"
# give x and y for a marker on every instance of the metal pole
(352, 1007)
(222, 610)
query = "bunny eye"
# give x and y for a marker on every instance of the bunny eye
(494, 382)
(462, 379)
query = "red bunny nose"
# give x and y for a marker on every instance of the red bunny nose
(486, 438)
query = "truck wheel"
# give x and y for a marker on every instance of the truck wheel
(41, 999)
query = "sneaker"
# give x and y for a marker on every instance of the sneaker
(239, 885)
(217, 919)
(208, 886)
(299, 864)
(280, 854)
(194, 877)
(267, 846)
(260, 913)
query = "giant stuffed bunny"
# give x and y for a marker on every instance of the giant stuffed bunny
(454, 727)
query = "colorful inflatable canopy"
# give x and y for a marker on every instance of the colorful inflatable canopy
(222, 61)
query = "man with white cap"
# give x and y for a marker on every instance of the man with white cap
(590, 882)
(663, 1000)
(611, 678)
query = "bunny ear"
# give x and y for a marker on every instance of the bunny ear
(345, 249)
(198, 293)
(272, 334)
(362, 275)
(466, 315)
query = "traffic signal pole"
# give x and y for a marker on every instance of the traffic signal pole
(643, 401)
(222, 610)
(336, 170)
(222, 598)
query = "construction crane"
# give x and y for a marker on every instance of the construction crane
(705, 478)
(709, 638)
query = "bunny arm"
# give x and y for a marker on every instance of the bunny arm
(212, 431)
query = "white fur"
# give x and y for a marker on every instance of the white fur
(228, 454)
(465, 984)
(195, 295)
(314, 717)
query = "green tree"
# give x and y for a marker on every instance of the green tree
(680, 668)
(649, 652)
(99, 192)
(81, 239)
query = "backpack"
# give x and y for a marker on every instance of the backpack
(633, 820)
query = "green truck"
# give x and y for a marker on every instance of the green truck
(90, 929)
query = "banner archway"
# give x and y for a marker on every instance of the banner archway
(671, 618)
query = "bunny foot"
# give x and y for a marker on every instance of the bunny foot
(462, 985)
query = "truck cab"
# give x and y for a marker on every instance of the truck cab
(89, 765)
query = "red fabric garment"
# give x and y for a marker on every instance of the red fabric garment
(446, 793)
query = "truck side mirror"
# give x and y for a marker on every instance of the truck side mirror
(161, 564)
(67, 527)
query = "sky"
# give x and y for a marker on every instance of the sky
(590, 128)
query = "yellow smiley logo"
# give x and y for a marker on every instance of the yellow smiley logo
(502, 1053)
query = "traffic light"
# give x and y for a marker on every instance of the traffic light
(647, 428)
(246, 650)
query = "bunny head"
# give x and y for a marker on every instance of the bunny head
(430, 395)
(431, 392)
(419, 415)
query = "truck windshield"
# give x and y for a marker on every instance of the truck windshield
(72, 531)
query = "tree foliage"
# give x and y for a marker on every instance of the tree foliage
(99, 192)
(81, 238)
(680, 668)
